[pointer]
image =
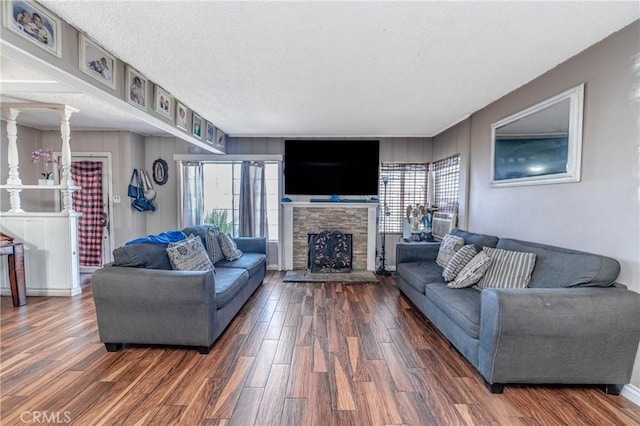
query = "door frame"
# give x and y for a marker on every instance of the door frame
(107, 256)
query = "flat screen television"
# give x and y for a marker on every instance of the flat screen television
(331, 167)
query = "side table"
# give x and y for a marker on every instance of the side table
(15, 253)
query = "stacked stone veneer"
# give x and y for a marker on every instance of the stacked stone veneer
(313, 220)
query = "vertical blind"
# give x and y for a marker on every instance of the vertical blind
(408, 184)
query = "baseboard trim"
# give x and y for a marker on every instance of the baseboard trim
(632, 393)
(62, 292)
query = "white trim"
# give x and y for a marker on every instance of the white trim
(632, 393)
(227, 157)
(53, 292)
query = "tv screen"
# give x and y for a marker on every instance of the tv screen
(331, 167)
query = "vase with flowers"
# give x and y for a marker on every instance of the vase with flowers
(48, 162)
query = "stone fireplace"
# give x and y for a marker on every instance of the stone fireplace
(302, 218)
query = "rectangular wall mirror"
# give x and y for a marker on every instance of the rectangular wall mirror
(541, 144)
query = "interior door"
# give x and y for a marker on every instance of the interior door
(92, 173)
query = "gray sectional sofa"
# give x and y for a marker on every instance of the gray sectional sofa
(572, 324)
(146, 302)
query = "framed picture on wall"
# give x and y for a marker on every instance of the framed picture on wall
(137, 88)
(34, 23)
(196, 128)
(211, 133)
(181, 116)
(96, 62)
(164, 102)
(221, 138)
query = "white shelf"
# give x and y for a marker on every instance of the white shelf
(57, 187)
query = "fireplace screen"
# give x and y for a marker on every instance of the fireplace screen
(330, 251)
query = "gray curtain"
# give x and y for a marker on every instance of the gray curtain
(191, 193)
(253, 200)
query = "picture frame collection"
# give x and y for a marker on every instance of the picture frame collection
(39, 26)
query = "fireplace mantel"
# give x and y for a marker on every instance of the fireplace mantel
(292, 244)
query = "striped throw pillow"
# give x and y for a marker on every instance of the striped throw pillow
(458, 261)
(509, 269)
(229, 247)
(472, 272)
(448, 247)
(213, 245)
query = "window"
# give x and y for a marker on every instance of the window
(221, 193)
(446, 183)
(408, 184)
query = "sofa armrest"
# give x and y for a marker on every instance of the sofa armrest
(412, 252)
(251, 244)
(137, 305)
(559, 335)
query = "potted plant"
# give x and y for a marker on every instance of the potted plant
(48, 162)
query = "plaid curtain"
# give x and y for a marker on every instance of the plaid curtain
(88, 175)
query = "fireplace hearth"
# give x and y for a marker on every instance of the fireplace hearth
(330, 251)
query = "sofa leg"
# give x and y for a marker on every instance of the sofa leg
(611, 389)
(204, 350)
(494, 387)
(113, 347)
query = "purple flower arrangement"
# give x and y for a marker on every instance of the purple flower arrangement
(46, 155)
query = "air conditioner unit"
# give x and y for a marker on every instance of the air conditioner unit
(443, 223)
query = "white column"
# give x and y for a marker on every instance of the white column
(13, 177)
(66, 180)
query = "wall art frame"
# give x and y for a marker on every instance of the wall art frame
(163, 102)
(181, 116)
(196, 126)
(35, 24)
(136, 88)
(96, 62)
(541, 144)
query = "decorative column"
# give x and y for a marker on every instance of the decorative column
(66, 181)
(13, 178)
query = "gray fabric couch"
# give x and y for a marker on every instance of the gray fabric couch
(148, 303)
(572, 325)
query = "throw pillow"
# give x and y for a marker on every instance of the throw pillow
(509, 269)
(472, 272)
(229, 247)
(458, 261)
(189, 255)
(212, 238)
(449, 246)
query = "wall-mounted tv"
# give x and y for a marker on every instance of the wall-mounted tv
(331, 167)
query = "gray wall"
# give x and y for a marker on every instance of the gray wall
(598, 214)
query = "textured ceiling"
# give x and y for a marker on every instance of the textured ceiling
(342, 68)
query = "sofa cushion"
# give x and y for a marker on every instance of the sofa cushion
(560, 267)
(449, 246)
(142, 255)
(472, 272)
(228, 246)
(418, 274)
(478, 240)
(458, 261)
(189, 255)
(508, 269)
(229, 282)
(212, 241)
(461, 305)
(252, 262)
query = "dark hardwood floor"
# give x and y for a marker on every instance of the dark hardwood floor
(297, 354)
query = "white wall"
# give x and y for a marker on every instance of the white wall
(601, 212)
